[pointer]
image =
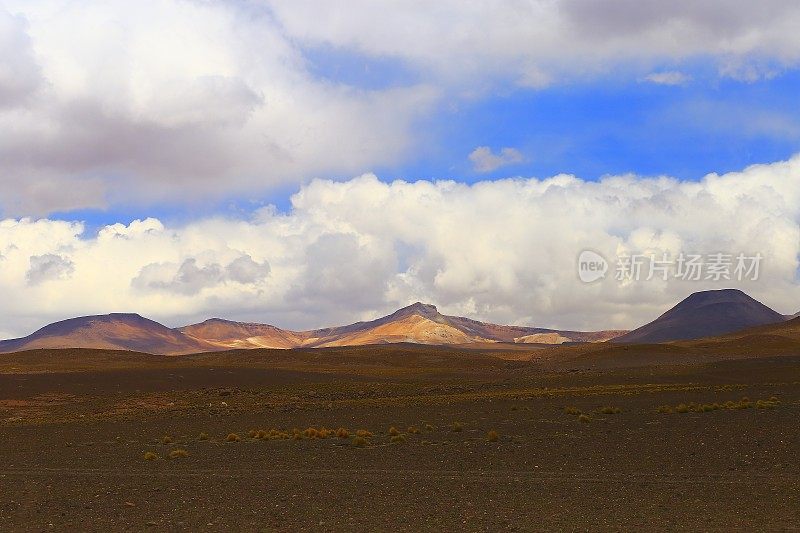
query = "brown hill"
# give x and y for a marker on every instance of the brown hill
(704, 314)
(116, 331)
(417, 323)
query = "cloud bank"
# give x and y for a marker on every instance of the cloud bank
(497, 250)
(112, 102)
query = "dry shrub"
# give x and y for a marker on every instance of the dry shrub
(342, 433)
(167, 440)
(360, 442)
(252, 433)
(310, 433)
(363, 433)
(233, 437)
(262, 435)
(323, 433)
(584, 418)
(393, 431)
(150, 456)
(180, 453)
(397, 439)
(492, 436)
(682, 408)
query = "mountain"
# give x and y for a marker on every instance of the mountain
(417, 323)
(116, 331)
(704, 314)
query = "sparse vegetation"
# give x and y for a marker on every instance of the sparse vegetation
(584, 419)
(363, 433)
(610, 410)
(203, 436)
(179, 453)
(233, 437)
(398, 439)
(150, 456)
(744, 403)
(492, 436)
(393, 431)
(456, 426)
(572, 411)
(167, 440)
(413, 430)
(342, 433)
(360, 442)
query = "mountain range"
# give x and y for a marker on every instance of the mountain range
(706, 314)
(418, 323)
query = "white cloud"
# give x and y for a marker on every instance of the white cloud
(48, 267)
(496, 250)
(484, 160)
(670, 77)
(109, 102)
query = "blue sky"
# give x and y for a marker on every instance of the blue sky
(589, 129)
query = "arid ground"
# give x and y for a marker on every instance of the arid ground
(576, 448)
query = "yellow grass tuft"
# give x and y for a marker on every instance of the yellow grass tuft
(233, 437)
(413, 430)
(203, 436)
(360, 442)
(150, 456)
(492, 436)
(363, 433)
(167, 440)
(180, 453)
(584, 418)
(572, 410)
(342, 433)
(398, 439)
(393, 431)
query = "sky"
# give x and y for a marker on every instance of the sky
(313, 163)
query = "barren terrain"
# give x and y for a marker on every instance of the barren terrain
(75, 427)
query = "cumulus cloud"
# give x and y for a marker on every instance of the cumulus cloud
(189, 278)
(48, 267)
(484, 160)
(670, 77)
(104, 102)
(107, 102)
(501, 251)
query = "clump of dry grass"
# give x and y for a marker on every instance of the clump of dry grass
(664, 409)
(456, 426)
(765, 404)
(261, 434)
(584, 418)
(252, 434)
(179, 453)
(311, 433)
(492, 436)
(233, 437)
(413, 430)
(342, 433)
(682, 408)
(429, 427)
(360, 442)
(393, 431)
(363, 433)
(572, 410)
(167, 440)
(150, 456)
(203, 436)
(323, 433)
(398, 439)
(610, 410)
